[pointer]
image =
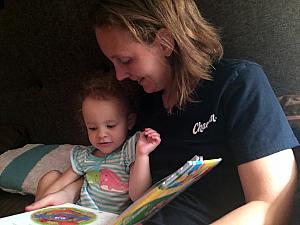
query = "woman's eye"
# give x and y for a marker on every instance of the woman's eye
(92, 128)
(125, 61)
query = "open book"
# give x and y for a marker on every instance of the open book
(153, 200)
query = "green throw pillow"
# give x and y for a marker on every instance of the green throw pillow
(21, 169)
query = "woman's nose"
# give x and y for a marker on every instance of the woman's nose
(121, 73)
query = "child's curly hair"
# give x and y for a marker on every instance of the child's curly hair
(105, 86)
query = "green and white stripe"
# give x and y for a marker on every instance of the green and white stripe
(21, 169)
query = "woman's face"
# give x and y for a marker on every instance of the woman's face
(146, 64)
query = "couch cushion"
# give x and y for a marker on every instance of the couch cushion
(264, 31)
(291, 108)
(21, 169)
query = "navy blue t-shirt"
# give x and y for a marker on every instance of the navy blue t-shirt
(236, 117)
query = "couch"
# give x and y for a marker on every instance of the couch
(48, 49)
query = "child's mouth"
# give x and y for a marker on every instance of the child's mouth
(104, 144)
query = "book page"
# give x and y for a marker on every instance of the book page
(165, 190)
(63, 214)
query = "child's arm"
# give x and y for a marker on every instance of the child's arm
(68, 194)
(140, 177)
(68, 177)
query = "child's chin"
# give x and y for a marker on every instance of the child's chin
(101, 153)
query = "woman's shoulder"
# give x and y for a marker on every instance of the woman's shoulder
(232, 75)
(229, 70)
(234, 64)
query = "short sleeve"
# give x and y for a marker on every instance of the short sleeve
(77, 158)
(128, 150)
(255, 121)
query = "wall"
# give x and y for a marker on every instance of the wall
(47, 48)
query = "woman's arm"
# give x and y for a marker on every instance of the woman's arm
(269, 184)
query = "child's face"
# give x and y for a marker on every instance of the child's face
(107, 123)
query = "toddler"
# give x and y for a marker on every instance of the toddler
(115, 168)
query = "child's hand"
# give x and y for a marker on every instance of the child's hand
(56, 198)
(149, 139)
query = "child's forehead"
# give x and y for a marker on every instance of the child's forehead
(115, 102)
(111, 98)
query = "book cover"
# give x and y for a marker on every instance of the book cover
(165, 190)
(142, 209)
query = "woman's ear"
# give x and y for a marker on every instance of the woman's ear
(166, 41)
(131, 120)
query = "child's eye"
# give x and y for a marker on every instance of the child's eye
(111, 126)
(92, 128)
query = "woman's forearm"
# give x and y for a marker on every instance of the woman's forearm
(248, 214)
(269, 190)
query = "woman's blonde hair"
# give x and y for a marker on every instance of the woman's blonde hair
(197, 43)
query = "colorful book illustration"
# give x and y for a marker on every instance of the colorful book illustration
(165, 190)
(152, 201)
(66, 214)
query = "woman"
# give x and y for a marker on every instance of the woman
(200, 104)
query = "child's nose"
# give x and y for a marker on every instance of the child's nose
(102, 133)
